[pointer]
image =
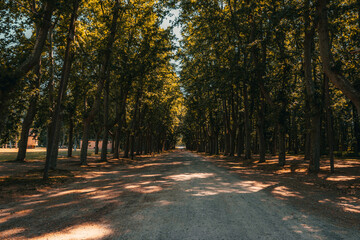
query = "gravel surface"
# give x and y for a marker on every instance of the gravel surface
(178, 195)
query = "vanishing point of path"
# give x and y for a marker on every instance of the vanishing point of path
(178, 195)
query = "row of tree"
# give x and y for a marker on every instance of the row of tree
(90, 70)
(271, 76)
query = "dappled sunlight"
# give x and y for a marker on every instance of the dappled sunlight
(242, 187)
(85, 231)
(150, 175)
(11, 232)
(162, 203)
(306, 229)
(117, 201)
(155, 165)
(148, 189)
(350, 208)
(84, 190)
(61, 204)
(283, 192)
(210, 191)
(18, 214)
(104, 194)
(309, 228)
(341, 178)
(95, 174)
(348, 204)
(103, 197)
(237, 167)
(189, 176)
(130, 176)
(33, 202)
(254, 186)
(143, 189)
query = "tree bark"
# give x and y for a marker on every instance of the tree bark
(97, 143)
(56, 119)
(233, 128)
(329, 123)
(29, 118)
(311, 93)
(105, 122)
(134, 124)
(356, 121)
(247, 124)
(227, 129)
(261, 132)
(71, 136)
(127, 143)
(307, 147)
(282, 145)
(117, 141)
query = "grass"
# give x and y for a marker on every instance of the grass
(36, 154)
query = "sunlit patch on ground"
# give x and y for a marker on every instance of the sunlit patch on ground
(285, 192)
(350, 208)
(18, 214)
(304, 228)
(189, 176)
(210, 191)
(242, 187)
(150, 175)
(163, 203)
(104, 195)
(143, 189)
(85, 190)
(33, 202)
(254, 186)
(155, 165)
(348, 204)
(86, 231)
(309, 228)
(341, 178)
(11, 232)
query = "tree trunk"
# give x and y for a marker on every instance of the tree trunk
(261, 132)
(311, 93)
(329, 123)
(240, 141)
(117, 141)
(105, 122)
(227, 129)
(282, 145)
(112, 144)
(247, 125)
(134, 123)
(97, 143)
(55, 148)
(127, 143)
(71, 133)
(29, 118)
(356, 130)
(55, 121)
(307, 150)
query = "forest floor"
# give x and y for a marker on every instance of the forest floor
(179, 195)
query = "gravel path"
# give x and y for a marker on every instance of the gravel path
(176, 196)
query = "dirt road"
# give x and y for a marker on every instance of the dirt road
(176, 196)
